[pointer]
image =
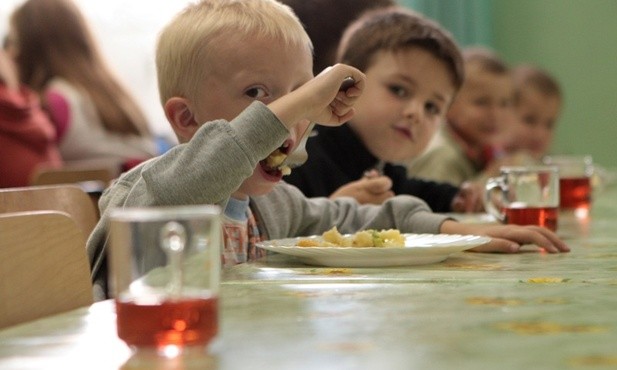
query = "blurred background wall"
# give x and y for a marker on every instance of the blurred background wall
(576, 40)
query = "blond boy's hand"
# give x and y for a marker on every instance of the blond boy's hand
(508, 238)
(319, 100)
(367, 190)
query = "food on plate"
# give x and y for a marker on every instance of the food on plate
(362, 239)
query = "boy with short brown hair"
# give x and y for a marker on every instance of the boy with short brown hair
(414, 69)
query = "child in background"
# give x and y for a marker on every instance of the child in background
(236, 83)
(27, 137)
(413, 68)
(56, 54)
(536, 106)
(464, 148)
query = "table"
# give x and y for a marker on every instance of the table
(529, 310)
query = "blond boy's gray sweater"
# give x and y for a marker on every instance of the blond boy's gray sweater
(209, 168)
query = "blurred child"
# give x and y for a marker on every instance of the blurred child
(413, 69)
(57, 56)
(236, 84)
(27, 137)
(464, 148)
(537, 104)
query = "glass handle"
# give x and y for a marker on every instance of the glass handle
(492, 184)
(173, 241)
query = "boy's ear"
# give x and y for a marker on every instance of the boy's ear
(181, 117)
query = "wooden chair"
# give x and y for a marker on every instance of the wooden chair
(68, 198)
(49, 176)
(44, 268)
(92, 180)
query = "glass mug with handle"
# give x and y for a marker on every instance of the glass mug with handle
(524, 195)
(575, 173)
(165, 275)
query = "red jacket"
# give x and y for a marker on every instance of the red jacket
(27, 137)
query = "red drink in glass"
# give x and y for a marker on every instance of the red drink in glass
(574, 193)
(184, 322)
(541, 216)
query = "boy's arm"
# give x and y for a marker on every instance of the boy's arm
(214, 163)
(204, 171)
(286, 212)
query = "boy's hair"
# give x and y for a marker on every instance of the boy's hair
(394, 29)
(488, 60)
(539, 79)
(191, 38)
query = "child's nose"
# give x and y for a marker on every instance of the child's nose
(412, 112)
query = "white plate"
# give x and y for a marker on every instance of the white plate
(419, 249)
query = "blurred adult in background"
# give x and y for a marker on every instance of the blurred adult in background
(57, 56)
(27, 137)
(325, 21)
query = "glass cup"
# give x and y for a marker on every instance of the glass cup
(575, 172)
(524, 196)
(165, 275)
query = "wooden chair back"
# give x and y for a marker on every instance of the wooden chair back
(67, 175)
(68, 198)
(44, 268)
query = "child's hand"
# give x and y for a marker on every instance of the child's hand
(371, 190)
(508, 238)
(339, 108)
(319, 100)
(469, 198)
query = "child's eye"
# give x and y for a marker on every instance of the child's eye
(398, 91)
(529, 120)
(432, 108)
(256, 93)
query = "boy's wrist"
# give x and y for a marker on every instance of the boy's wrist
(287, 110)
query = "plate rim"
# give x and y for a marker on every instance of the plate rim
(359, 257)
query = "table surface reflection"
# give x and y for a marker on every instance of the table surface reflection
(474, 310)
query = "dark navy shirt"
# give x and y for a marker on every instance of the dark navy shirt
(337, 157)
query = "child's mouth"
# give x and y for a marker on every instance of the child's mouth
(405, 132)
(273, 164)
